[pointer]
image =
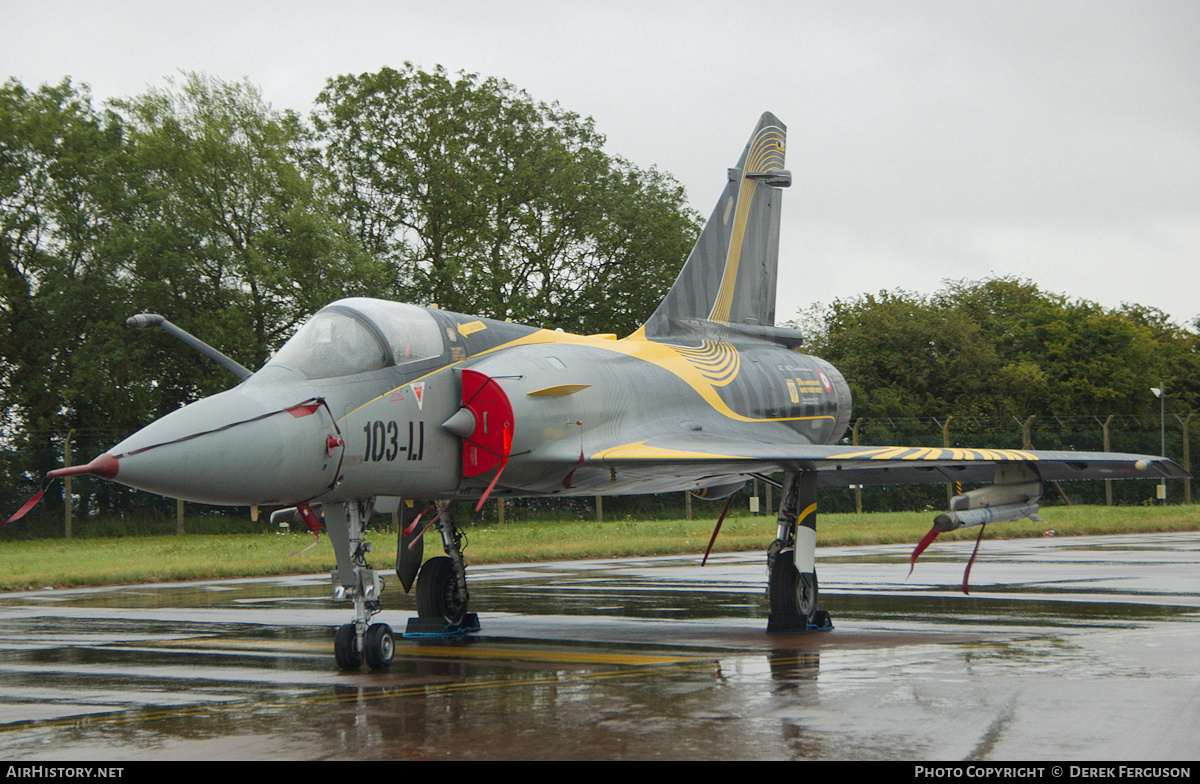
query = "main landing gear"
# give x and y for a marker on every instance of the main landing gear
(442, 595)
(791, 571)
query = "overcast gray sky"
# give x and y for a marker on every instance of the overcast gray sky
(1053, 141)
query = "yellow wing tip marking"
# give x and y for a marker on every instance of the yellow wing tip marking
(937, 453)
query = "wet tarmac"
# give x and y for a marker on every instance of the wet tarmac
(1066, 649)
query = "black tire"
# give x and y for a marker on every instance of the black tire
(792, 594)
(379, 646)
(436, 592)
(345, 648)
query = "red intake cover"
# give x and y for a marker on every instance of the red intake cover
(491, 441)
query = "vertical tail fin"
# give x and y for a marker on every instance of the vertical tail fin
(730, 275)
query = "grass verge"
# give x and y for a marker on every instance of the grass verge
(60, 563)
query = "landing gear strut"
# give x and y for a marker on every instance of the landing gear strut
(791, 572)
(442, 595)
(355, 580)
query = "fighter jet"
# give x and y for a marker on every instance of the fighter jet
(374, 401)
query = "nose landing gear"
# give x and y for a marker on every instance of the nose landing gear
(357, 642)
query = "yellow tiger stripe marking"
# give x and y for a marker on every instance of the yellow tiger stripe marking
(733, 258)
(640, 451)
(936, 453)
(766, 152)
(673, 359)
(718, 361)
(852, 455)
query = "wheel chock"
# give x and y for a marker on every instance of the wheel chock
(798, 624)
(437, 627)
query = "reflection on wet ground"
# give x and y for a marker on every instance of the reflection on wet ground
(1066, 649)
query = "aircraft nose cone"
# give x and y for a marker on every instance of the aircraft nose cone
(236, 448)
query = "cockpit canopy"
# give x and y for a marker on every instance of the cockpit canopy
(359, 334)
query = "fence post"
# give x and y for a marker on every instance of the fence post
(67, 499)
(857, 488)
(1187, 460)
(1107, 482)
(946, 443)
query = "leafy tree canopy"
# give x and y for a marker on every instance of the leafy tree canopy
(1002, 347)
(230, 236)
(198, 201)
(485, 201)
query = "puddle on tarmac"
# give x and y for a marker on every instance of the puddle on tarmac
(643, 659)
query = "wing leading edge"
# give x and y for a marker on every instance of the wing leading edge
(840, 465)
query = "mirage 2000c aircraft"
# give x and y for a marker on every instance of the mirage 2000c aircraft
(374, 401)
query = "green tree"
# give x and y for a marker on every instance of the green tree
(1178, 352)
(485, 201)
(62, 196)
(230, 240)
(194, 202)
(1073, 356)
(1002, 347)
(66, 361)
(904, 356)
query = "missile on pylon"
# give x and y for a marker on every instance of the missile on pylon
(950, 521)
